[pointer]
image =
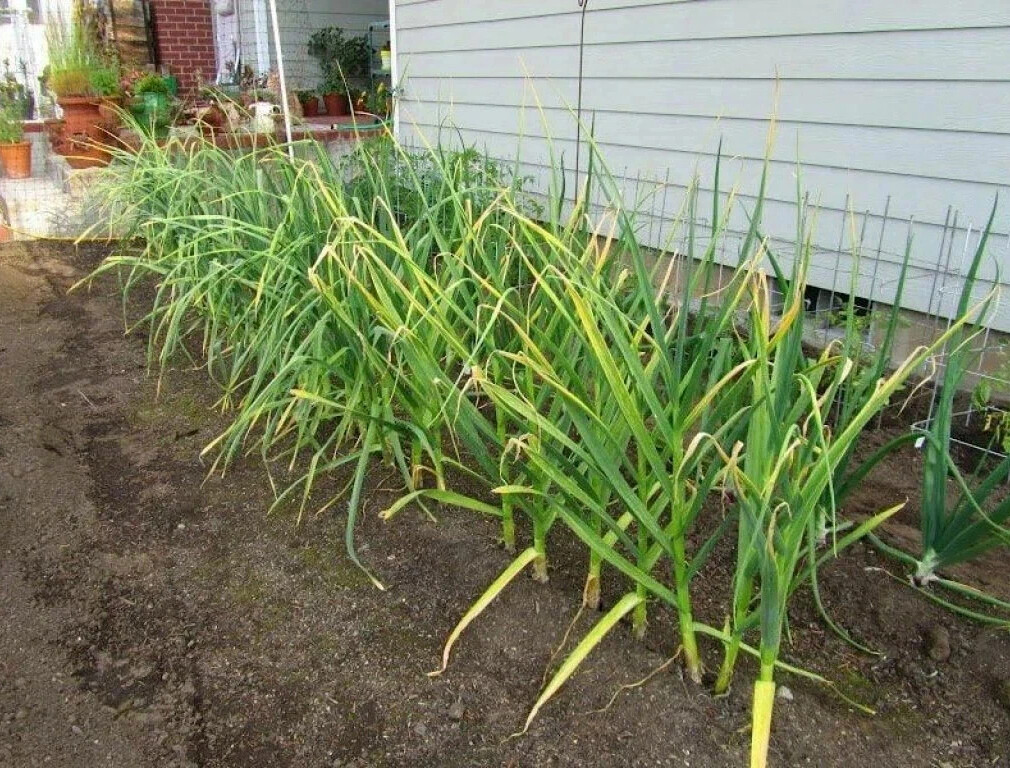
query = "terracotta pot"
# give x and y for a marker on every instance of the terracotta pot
(109, 108)
(81, 114)
(16, 159)
(84, 130)
(54, 130)
(209, 120)
(310, 107)
(336, 104)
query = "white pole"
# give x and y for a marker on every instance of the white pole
(393, 74)
(280, 74)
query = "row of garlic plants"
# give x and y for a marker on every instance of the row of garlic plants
(424, 309)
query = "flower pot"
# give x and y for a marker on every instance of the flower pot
(82, 151)
(85, 129)
(263, 117)
(336, 104)
(151, 111)
(310, 107)
(209, 120)
(109, 108)
(16, 159)
(81, 114)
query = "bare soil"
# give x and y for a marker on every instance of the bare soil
(155, 616)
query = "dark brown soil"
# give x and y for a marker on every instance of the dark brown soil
(155, 617)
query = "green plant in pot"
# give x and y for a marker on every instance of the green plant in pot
(14, 96)
(377, 101)
(336, 97)
(15, 152)
(344, 64)
(85, 81)
(310, 103)
(151, 103)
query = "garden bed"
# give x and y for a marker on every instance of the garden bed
(156, 619)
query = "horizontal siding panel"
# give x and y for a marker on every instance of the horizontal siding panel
(550, 93)
(622, 20)
(318, 19)
(899, 104)
(939, 55)
(831, 188)
(982, 158)
(933, 250)
(825, 189)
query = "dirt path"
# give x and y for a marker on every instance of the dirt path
(150, 618)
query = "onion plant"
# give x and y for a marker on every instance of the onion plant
(974, 522)
(869, 345)
(788, 461)
(423, 308)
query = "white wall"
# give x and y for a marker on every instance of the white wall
(20, 40)
(902, 105)
(298, 19)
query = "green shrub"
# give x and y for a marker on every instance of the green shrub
(343, 60)
(104, 81)
(11, 129)
(151, 83)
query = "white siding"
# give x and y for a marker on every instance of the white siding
(902, 105)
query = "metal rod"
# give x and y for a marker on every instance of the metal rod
(285, 108)
(394, 86)
(584, 6)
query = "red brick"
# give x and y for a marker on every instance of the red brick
(184, 36)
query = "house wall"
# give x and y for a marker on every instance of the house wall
(24, 42)
(184, 36)
(297, 20)
(896, 110)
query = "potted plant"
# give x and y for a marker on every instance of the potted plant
(103, 83)
(14, 95)
(359, 101)
(335, 97)
(15, 152)
(309, 102)
(207, 112)
(85, 82)
(151, 103)
(221, 107)
(344, 64)
(377, 101)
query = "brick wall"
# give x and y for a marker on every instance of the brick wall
(184, 35)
